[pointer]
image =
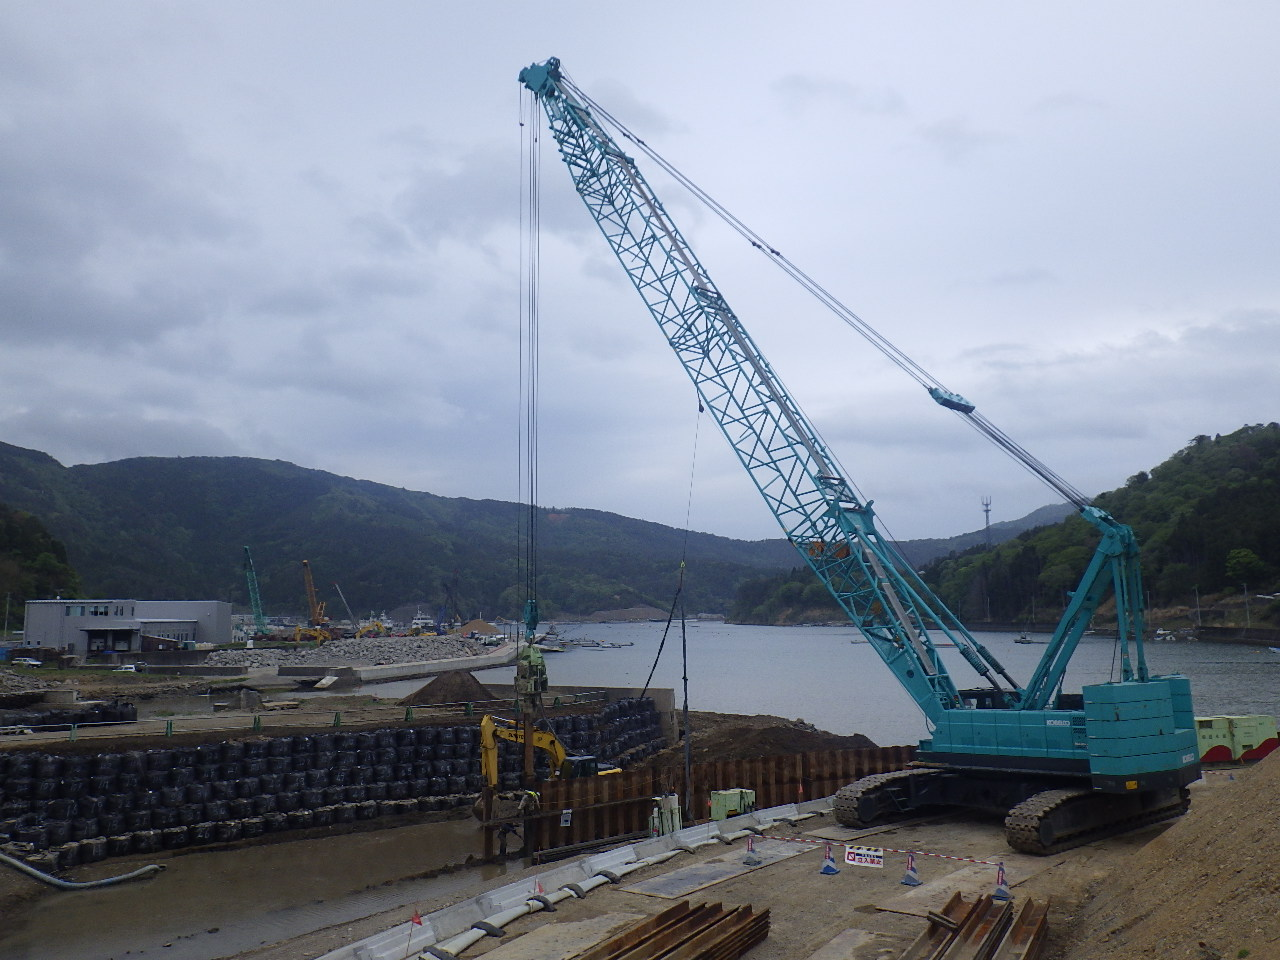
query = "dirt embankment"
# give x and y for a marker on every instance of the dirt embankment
(731, 736)
(1205, 889)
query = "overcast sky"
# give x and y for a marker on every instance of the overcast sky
(290, 230)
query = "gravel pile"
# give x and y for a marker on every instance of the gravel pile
(367, 651)
(13, 683)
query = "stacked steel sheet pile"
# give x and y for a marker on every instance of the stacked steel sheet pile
(987, 929)
(682, 932)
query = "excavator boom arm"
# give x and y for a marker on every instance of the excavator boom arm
(494, 728)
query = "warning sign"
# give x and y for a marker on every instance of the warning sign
(864, 856)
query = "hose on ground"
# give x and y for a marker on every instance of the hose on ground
(79, 884)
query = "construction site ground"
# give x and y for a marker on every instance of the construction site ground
(1203, 887)
(860, 913)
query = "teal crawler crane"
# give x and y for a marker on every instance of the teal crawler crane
(1063, 768)
(255, 599)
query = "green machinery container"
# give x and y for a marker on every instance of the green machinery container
(731, 803)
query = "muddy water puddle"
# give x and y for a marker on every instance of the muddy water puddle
(218, 904)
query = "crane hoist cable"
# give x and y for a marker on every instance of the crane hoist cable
(531, 675)
(530, 267)
(935, 388)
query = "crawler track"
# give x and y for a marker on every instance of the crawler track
(878, 798)
(1061, 819)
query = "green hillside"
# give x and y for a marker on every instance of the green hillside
(159, 528)
(32, 564)
(162, 528)
(1208, 521)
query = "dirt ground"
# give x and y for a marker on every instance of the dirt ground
(1203, 889)
(1200, 888)
(868, 911)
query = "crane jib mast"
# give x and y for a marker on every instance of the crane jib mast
(1135, 736)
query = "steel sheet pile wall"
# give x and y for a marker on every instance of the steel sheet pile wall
(577, 813)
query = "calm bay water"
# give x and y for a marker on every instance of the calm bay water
(820, 674)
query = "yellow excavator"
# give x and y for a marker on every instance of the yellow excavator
(318, 629)
(563, 766)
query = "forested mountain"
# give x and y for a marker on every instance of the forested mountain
(166, 528)
(156, 528)
(1207, 520)
(33, 564)
(796, 595)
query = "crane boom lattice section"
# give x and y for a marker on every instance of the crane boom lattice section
(780, 449)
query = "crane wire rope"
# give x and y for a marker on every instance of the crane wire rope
(530, 267)
(980, 423)
(678, 600)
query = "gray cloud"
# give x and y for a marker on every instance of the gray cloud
(800, 91)
(257, 231)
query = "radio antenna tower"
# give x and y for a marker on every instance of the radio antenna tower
(986, 509)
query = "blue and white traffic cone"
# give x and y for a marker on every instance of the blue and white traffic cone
(829, 863)
(751, 860)
(1002, 886)
(911, 878)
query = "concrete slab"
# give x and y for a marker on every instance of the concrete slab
(835, 832)
(852, 944)
(559, 941)
(683, 881)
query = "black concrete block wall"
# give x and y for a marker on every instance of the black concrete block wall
(66, 809)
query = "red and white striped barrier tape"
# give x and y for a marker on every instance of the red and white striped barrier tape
(918, 853)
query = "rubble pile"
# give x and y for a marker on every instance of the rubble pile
(366, 651)
(12, 683)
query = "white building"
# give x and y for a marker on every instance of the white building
(95, 627)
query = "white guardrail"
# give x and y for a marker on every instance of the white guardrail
(449, 931)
